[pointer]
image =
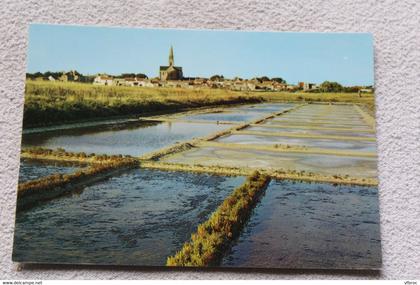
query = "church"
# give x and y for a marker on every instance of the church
(170, 72)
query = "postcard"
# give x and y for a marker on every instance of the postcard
(198, 148)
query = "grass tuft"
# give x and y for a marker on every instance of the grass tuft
(209, 242)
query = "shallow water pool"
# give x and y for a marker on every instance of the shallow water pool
(134, 139)
(267, 107)
(311, 225)
(363, 167)
(241, 114)
(332, 144)
(228, 116)
(310, 131)
(31, 169)
(138, 218)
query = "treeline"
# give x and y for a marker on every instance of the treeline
(131, 75)
(261, 79)
(274, 79)
(57, 75)
(43, 75)
(331, 86)
(73, 75)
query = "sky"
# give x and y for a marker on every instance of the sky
(310, 57)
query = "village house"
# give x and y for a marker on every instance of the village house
(215, 84)
(176, 83)
(290, 87)
(265, 85)
(306, 86)
(69, 76)
(131, 82)
(146, 83)
(277, 86)
(236, 84)
(103, 79)
(118, 82)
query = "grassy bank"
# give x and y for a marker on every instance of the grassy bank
(318, 97)
(59, 154)
(47, 102)
(58, 102)
(213, 237)
(302, 175)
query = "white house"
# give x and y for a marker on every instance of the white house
(103, 80)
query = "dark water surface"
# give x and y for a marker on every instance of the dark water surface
(134, 139)
(31, 169)
(311, 225)
(138, 218)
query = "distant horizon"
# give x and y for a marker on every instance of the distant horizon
(346, 58)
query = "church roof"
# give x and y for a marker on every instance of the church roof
(164, 67)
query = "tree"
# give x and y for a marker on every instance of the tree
(132, 75)
(278, 79)
(141, 75)
(328, 86)
(217, 78)
(34, 75)
(128, 75)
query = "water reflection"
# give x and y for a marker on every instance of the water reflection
(226, 116)
(241, 114)
(134, 139)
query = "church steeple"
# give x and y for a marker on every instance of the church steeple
(170, 72)
(171, 57)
